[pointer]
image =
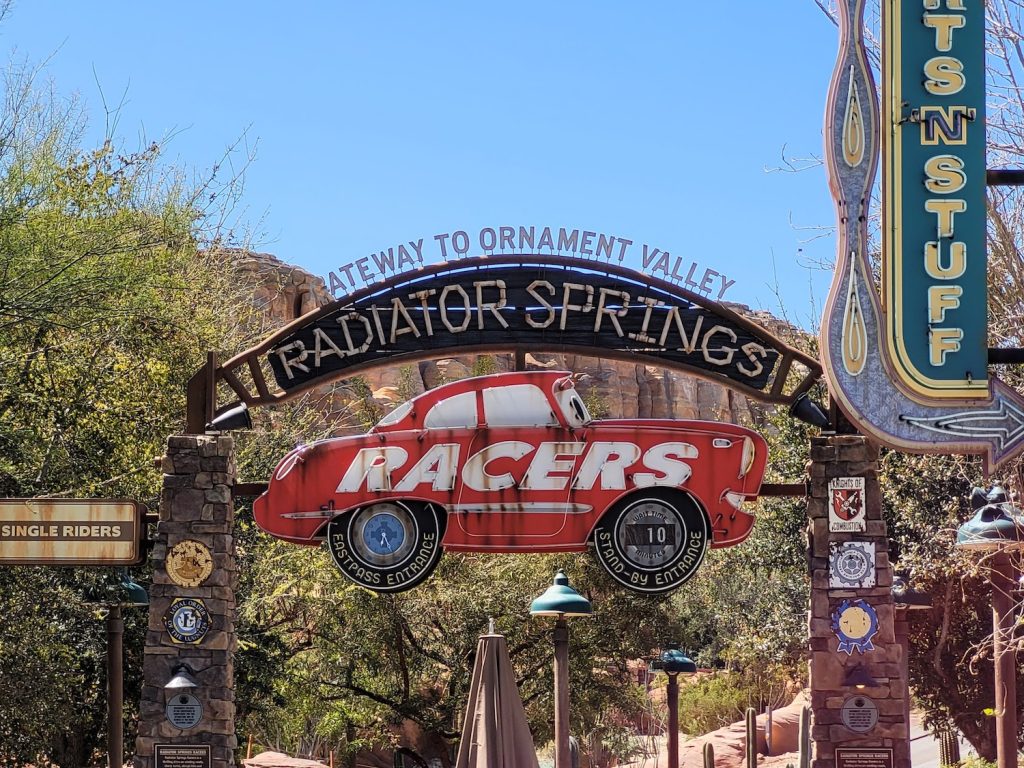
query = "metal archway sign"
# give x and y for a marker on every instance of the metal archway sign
(518, 304)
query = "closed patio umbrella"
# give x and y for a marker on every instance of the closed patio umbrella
(495, 733)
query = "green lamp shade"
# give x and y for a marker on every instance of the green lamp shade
(674, 662)
(561, 600)
(134, 594)
(992, 527)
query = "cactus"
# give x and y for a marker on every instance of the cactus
(751, 738)
(709, 755)
(805, 737)
(949, 746)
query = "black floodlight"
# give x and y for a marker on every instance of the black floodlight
(233, 418)
(809, 412)
(905, 596)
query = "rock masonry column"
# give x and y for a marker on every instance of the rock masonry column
(852, 621)
(191, 612)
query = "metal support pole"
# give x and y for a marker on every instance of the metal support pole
(1005, 678)
(115, 688)
(902, 630)
(673, 721)
(562, 757)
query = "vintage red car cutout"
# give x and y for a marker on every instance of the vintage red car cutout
(514, 463)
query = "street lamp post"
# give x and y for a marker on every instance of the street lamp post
(561, 601)
(906, 600)
(997, 529)
(131, 594)
(673, 663)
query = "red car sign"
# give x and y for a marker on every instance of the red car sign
(514, 463)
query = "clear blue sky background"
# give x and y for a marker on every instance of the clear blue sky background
(379, 123)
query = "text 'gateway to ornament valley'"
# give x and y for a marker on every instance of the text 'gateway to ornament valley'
(493, 241)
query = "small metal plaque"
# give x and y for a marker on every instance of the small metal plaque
(860, 714)
(851, 565)
(189, 563)
(182, 755)
(873, 757)
(846, 509)
(187, 620)
(184, 711)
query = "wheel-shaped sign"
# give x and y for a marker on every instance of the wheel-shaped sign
(652, 542)
(388, 546)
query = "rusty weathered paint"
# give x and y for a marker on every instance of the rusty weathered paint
(515, 488)
(71, 532)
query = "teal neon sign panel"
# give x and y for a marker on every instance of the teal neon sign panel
(934, 260)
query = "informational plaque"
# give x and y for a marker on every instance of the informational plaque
(860, 714)
(70, 532)
(866, 757)
(183, 756)
(184, 711)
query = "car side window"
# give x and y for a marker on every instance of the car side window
(517, 405)
(453, 412)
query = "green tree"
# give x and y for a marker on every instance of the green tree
(106, 307)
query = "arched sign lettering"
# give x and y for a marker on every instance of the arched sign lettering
(520, 304)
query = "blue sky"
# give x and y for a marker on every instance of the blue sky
(380, 123)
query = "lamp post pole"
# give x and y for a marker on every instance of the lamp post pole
(125, 594)
(561, 601)
(115, 687)
(906, 601)
(561, 638)
(673, 721)
(998, 528)
(1004, 660)
(673, 662)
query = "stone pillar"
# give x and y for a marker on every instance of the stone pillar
(844, 458)
(196, 517)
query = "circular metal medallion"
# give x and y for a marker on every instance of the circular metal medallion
(189, 563)
(184, 711)
(859, 714)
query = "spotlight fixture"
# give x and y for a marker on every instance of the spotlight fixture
(233, 418)
(809, 412)
(858, 677)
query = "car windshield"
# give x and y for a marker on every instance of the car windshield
(396, 415)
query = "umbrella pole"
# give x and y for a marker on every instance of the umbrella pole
(562, 759)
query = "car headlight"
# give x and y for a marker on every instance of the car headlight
(735, 499)
(749, 454)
